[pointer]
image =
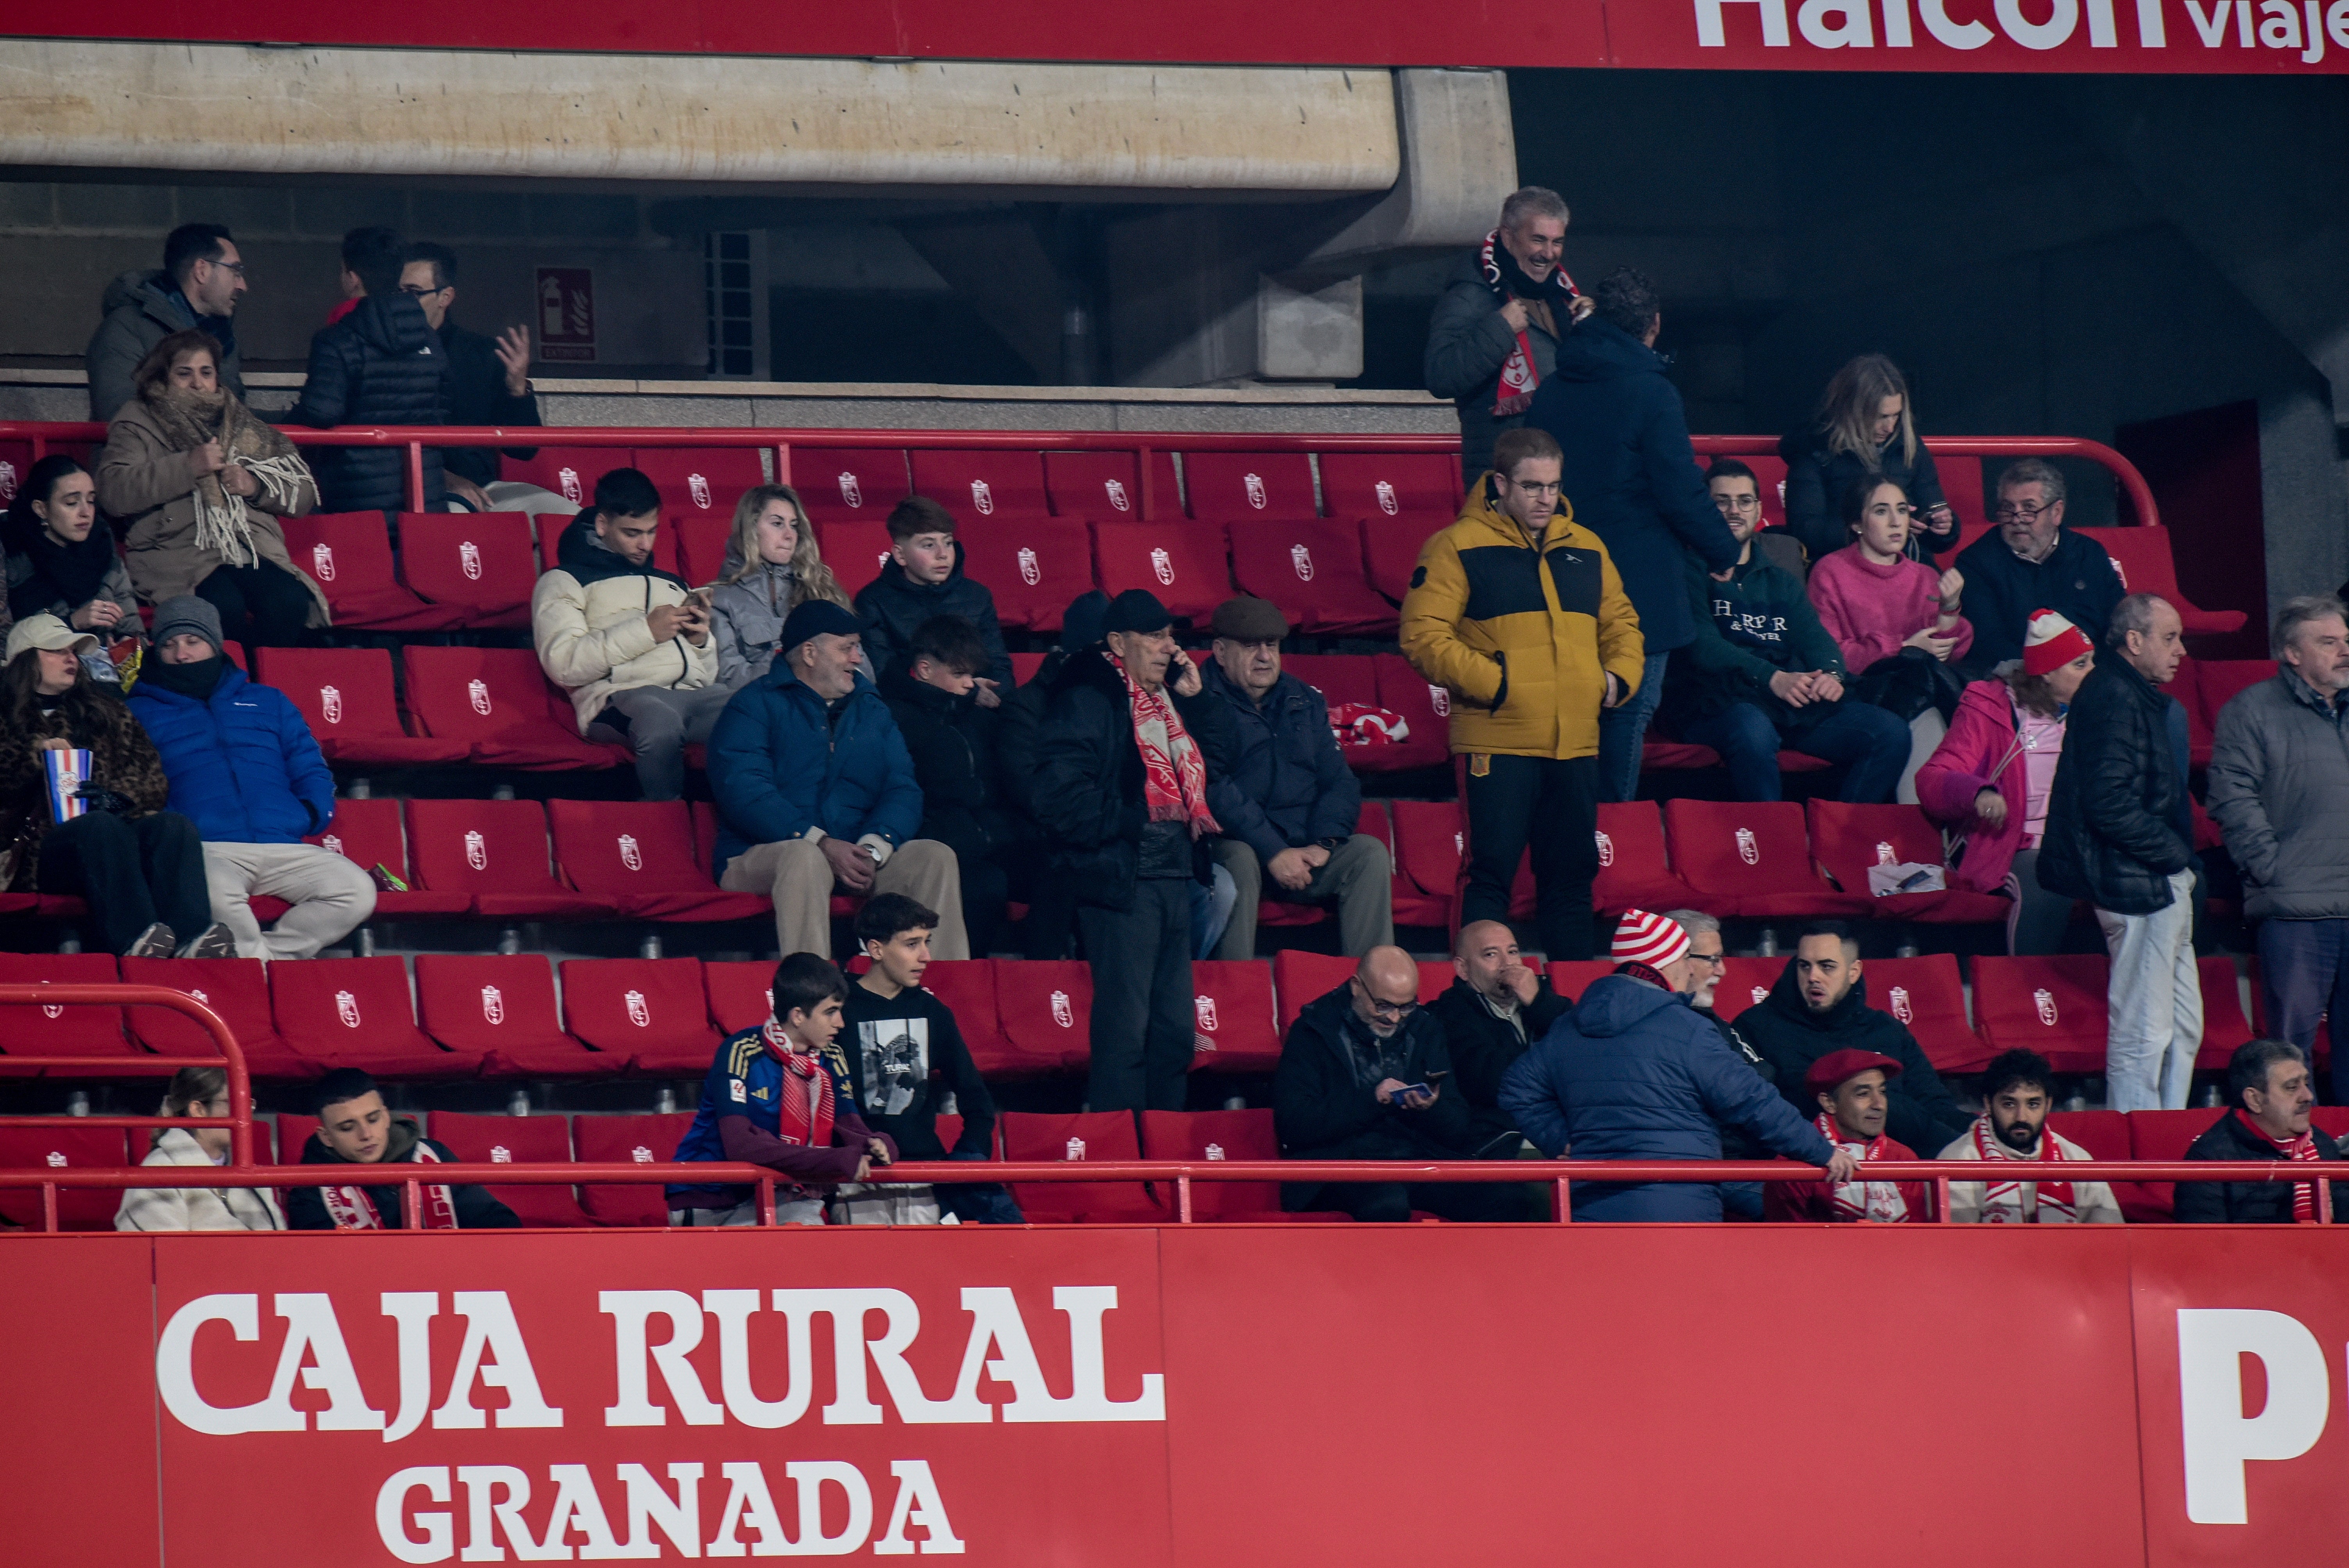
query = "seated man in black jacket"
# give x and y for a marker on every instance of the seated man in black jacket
(1820, 1006)
(2270, 1083)
(930, 693)
(356, 1128)
(489, 384)
(1365, 1075)
(1492, 1012)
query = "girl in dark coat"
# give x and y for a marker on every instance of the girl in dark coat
(1867, 423)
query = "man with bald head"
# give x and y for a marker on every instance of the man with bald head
(1498, 1006)
(1365, 1075)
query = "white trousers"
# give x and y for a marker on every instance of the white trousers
(330, 896)
(2156, 1002)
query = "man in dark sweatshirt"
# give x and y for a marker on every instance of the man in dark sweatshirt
(925, 579)
(1497, 1005)
(356, 1128)
(2031, 562)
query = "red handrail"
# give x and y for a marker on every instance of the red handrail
(238, 1120)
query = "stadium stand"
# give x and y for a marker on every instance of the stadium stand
(236, 990)
(359, 1013)
(849, 484)
(1847, 839)
(1184, 564)
(496, 852)
(502, 1007)
(981, 485)
(500, 703)
(2052, 1005)
(639, 858)
(1033, 565)
(349, 553)
(699, 481)
(1752, 859)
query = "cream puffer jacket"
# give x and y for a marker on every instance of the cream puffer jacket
(194, 1208)
(587, 622)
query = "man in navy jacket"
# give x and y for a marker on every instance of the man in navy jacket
(816, 791)
(1635, 1073)
(244, 768)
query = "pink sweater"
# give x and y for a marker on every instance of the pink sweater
(1871, 610)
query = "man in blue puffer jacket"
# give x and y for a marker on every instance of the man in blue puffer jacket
(1634, 1073)
(244, 766)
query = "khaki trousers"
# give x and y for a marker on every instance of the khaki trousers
(796, 874)
(1358, 877)
(331, 896)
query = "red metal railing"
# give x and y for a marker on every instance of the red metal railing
(1144, 446)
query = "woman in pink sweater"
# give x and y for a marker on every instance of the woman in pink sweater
(1873, 600)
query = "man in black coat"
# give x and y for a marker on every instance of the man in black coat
(2270, 1083)
(2120, 834)
(1496, 1006)
(952, 741)
(1365, 1075)
(1128, 745)
(1820, 1006)
(488, 379)
(1050, 930)
(382, 364)
(1632, 479)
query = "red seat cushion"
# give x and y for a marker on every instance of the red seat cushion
(1752, 859)
(480, 566)
(517, 1141)
(1183, 564)
(1424, 707)
(628, 1141)
(345, 695)
(1571, 978)
(502, 1006)
(976, 484)
(1033, 565)
(1107, 485)
(1087, 1136)
(1391, 484)
(349, 554)
(1409, 906)
(368, 834)
(701, 544)
(2224, 1026)
(1045, 1009)
(570, 472)
(2142, 560)
(2053, 1005)
(2163, 1135)
(1211, 1136)
(1925, 993)
(499, 702)
(1243, 487)
(80, 1031)
(1849, 839)
(855, 551)
(1431, 839)
(1300, 978)
(1338, 677)
(650, 1012)
(1233, 1027)
(849, 484)
(701, 482)
(495, 850)
(640, 857)
(1312, 568)
(739, 993)
(235, 989)
(359, 1013)
(1391, 547)
(2105, 1134)
(64, 1149)
(967, 988)
(1632, 872)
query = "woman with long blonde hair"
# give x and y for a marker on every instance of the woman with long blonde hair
(772, 566)
(1867, 423)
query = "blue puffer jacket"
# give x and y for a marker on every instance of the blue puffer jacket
(1288, 784)
(780, 767)
(242, 766)
(1634, 1073)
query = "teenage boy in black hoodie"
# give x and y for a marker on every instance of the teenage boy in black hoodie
(923, 579)
(932, 693)
(900, 1053)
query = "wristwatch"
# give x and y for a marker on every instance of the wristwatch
(873, 850)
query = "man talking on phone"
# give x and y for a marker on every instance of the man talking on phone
(628, 641)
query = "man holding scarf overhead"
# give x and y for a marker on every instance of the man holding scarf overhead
(1494, 337)
(1128, 743)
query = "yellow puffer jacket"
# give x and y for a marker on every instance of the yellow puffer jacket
(1524, 651)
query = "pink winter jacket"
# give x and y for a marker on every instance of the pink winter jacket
(1984, 750)
(1871, 610)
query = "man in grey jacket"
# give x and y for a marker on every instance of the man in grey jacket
(1495, 334)
(2280, 791)
(202, 275)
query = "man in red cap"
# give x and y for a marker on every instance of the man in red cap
(1849, 1087)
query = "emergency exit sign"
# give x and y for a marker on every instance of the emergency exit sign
(566, 314)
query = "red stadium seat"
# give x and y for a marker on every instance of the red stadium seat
(980, 485)
(738, 992)
(701, 544)
(628, 1141)
(1033, 565)
(1752, 859)
(570, 472)
(640, 857)
(1962, 485)
(359, 1013)
(2105, 1134)
(1083, 1135)
(1436, 977)
(2163, 1135)
(1425, 706)
(849, 484)
(345, 695)
(649, 1012)
(855, 552)
(1411, 905)
(1300, 978)
(2052, 1005)
(1185, 566)
(517, 1141)
(61, 1031)
(1247, 487)
(1848, 839)
(701, 482)
(1391, 547)
(1338, 677)
(349, 555)
(1045, 1009)
(498, 701)
(1745, 981)
(234, 988)
(502, 1006)
(2224, 1026)
(967, 988)
(1431, 839)
(1391, 484)
(495, 850)
(1312, 568)
(1632, 871)
(1234, 1029)
(2206, 686)
(1571, 978)
(368, 834)
(64, 1149)
(1926, 994)
(2142, 560)
(477, 566)
(1108, 486)
(551, 526)
(1218, 1135)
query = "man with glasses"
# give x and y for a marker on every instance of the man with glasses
(489, 384)
(381, 363)
(202, 277)
(1365, 1075)
(2031, 562)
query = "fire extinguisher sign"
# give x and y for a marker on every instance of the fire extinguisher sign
(566, 314)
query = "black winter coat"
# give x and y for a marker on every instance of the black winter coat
(1087, 777)
(1791, 1036)
(2248, 1202)
(952, 741)
(2003, 591)
(381, 365)
(1017, 724)
(1323, 1109)
(478, 396)
(1817, 478)
(1630, 471)
(1736, 1143)
(1288, 784)
(476, 1209)
(2114, 811)
(1484, 1047)
(893, 607)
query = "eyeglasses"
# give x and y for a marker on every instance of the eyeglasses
(236, 267)
(1738, 503)
(420, 289)
(1390, 1009)
(1537, 487)
(2020, 511)
(1718, 960)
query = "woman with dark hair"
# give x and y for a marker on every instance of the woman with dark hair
(1865, 423)
(772, 566)
(203, 482)
(196, 1092)
(61, 559)
(139, 868)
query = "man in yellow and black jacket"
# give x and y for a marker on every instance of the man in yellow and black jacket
(1519, 613)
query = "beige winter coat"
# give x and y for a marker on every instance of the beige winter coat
(587, 622)
(2092, 1202)
(194, 1208)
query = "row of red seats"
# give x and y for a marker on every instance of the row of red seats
(2143, 561)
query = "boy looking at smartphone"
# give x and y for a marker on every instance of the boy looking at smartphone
(923, 579)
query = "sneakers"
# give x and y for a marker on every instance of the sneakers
(213, 941)
(155, 942)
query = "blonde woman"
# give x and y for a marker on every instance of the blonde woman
(196, 1091)
(1866, 424)
(772, 565)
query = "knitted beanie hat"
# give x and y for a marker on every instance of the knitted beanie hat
(1650, 939)
(2051, 641)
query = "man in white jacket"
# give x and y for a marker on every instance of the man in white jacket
(629, 642)
(2017, 1092)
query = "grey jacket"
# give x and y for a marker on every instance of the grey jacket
(747, 619)
(2280, 791)
(1467, 344)
(141, 309)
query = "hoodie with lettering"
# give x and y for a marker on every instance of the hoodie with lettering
(1757, 623)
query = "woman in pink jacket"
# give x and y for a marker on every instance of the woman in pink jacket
(1990, 779)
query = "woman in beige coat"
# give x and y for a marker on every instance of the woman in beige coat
(196, 1091)
(199, 483)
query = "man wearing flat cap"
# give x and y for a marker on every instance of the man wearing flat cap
(1125, 758)
(1849, 1086)
(816, 791)
(1288, 806)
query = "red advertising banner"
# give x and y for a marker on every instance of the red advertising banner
(1177, 1397)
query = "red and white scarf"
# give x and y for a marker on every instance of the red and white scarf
(2304, 1194)
(353, 1208)
(2004, 1202)
(1519, 379)
(1174, 778)
(804, 1118)
(1878, 1200)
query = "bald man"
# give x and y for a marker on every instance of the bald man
(1365, 1075)
(1497, 1005)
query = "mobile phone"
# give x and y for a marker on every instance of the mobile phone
(1413, 1088)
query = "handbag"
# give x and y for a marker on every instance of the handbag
(1908, 683)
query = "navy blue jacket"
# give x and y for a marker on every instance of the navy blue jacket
(2004, 591)
(779, 764)
(243, 766)
(1635, 1073)
(1630, 471)
(381, 365)
(1288, 784)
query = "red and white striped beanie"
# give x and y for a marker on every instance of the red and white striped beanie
(2050, 642)
(1650, 939)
